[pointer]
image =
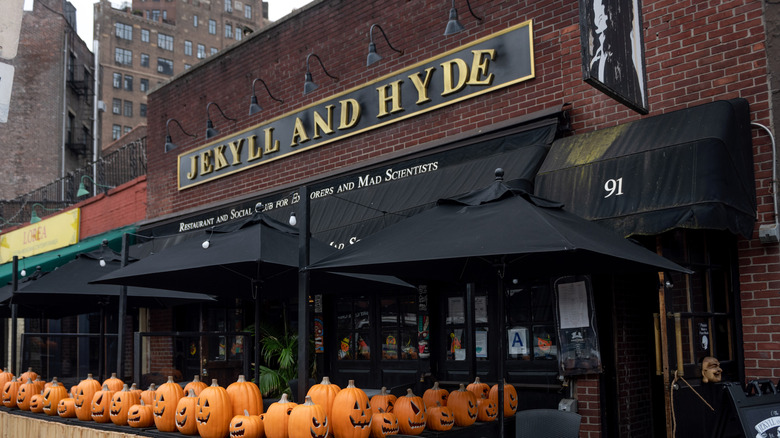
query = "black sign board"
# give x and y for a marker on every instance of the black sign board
(751, 412)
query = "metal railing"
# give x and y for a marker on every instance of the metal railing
(123, 165)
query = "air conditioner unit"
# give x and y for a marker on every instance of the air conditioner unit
(101, 105)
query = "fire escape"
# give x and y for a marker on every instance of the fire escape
(79, 125)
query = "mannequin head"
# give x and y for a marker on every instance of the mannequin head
(710, 370)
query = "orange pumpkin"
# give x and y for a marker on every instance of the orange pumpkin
(5, 377)
(36, 403)
(85, 392)
(121, 402)
(383, 423)
(196, 385)
(247, 426)
(29, 374)
(24, 395)
(384, 401)
(185, 414)
(140, 415)
(165, 400)
(486, 410)
(435, 395)
(440, 418)
(213, 411)
(410, 411)
(148, 395)
(101, 405)
(308, 420)
(66, 407)
(52, 396)
(277, 417)
(510, 398)
(72, 392)
(10, 393)
(245, 396)
(323, 394)
(114, 383)
(479, 389)
(40, 385)
(351, 413)
(464, 406)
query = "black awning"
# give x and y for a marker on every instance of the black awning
(691, 168)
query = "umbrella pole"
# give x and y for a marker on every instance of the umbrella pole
(500, 365)
(120, 330)
(102, 344)
(471, 342)
(14, 311)
(303, 295)
(256, 293)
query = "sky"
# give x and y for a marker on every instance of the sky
(84, 8)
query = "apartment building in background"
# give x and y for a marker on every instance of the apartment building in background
(146, 43)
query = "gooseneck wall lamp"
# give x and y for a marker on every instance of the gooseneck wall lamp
(34, 218)
(82, 191)
(308, 84)
(453, 25)
(169, 145)
(211, 131)
(372, 55)
(253, 106)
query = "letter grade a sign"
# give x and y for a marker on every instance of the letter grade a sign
(480, 67)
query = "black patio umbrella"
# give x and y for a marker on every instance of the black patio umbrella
(499, 229)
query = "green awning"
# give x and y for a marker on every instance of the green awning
(50, 260)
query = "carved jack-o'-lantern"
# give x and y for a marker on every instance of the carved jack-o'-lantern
(435, 395)
(24, 395)
(101, 405)
(121, 402)
(323, 394)
(85, 391)
(278, 417)
(196, 385)
(66, 407)
(5, 377)
(247, 426)
(11, 392)
(213, 411)
(149, 394)
(351, 413)
(52, 396)
(383, 424)
(384, 401)
(440, 418)
(410, 410)
(464, 406)
(185, 414)
(29, 374)
(510, 398)
(36, 403)
(140, 415)
(165, 400)
(308, 420)
(478, 388)
(486, 410)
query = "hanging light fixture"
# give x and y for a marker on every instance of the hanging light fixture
(308, 84)
(169, 145)
(82, 191)
(211, 131)
(453, 25)
(373, 56)
(253, 106)
(34, 218)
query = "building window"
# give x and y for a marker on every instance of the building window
(239, 35)
(201, 51)
(454, 327)
(187, 66)
(117, 80)
(165, 14)
(194, 21)
(214, 50)
(228, 5)
(530, 321)
(165, 66)
(129, 82)
(145, 35)
(228, 31)
(188, 48)
(165, 42)
(142, 110)
(116, 106)
(213, 27)
(123, 56)
(156, 15)
(128, 129)
(123, 31)
(116, 132)
(144, 60)
(144, 85)
(128, 108)
(353, 328)
(248, 11)
(399, 328)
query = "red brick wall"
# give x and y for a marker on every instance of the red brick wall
(121, 206)
(696, 52)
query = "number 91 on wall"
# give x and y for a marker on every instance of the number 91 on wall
(613, 187)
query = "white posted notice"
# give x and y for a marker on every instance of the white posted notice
(573, 305)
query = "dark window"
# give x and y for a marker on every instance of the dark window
(399, 328)
(144, 60)
(123, 56)
(124, 31)
(128, 83)
(142, 110)
(117, 80)
(353, 329)
(144, 85)
(128, 108)
(165, 66)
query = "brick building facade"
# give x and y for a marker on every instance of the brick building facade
(695, 55)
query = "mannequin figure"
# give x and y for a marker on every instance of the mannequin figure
(710, 370)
